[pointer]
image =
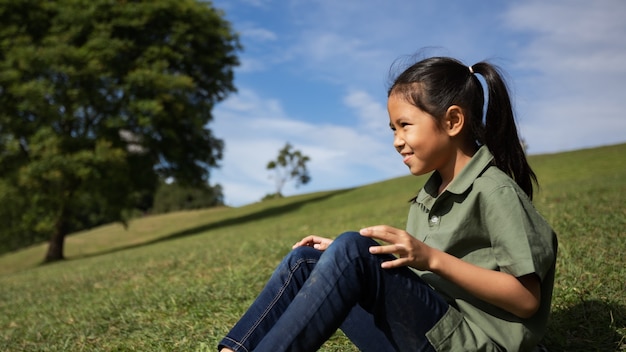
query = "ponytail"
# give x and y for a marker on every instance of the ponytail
(500, 133)
(436, 83)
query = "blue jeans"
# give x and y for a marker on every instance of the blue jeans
(312, 293)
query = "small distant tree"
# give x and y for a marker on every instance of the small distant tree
(289, 165)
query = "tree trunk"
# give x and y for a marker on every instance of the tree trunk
(57, 241)
(55, 248)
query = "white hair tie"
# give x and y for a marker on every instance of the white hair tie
(471, 70)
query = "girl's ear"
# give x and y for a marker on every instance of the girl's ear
(454, 120)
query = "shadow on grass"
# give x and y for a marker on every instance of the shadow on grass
(591, 325)
(237, 220)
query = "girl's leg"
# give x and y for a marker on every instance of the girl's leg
(361, 329)
(402, 306)
(273, 300)
(288, 277)
(400, 318)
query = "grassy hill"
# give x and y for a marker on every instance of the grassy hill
(177, 282)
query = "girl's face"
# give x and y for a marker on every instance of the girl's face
(423, 144)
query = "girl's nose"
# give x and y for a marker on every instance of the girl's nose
(398, 142)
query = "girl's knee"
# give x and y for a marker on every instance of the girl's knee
(303, 252)
(349, 236)
(353, 240)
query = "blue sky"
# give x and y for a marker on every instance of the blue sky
(315, 72)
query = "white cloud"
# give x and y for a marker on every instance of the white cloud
(572, 36)
(260, 34)
(566, 124)
(372, 114)
(575, 93)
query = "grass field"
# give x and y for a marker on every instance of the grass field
(178, 282)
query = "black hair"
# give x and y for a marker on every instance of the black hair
(434, 84)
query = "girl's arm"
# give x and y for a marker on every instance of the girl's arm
(520, 296)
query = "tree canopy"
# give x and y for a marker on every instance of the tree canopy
(99, 99)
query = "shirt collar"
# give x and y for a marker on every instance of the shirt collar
(479, 163)
(462, 182)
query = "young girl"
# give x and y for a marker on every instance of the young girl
(474, 269)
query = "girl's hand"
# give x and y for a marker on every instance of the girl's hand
(411, 251)
(319, 243)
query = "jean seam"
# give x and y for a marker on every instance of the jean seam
(239, 344)
(292, 270)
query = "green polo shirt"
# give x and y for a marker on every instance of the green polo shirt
(484, 218)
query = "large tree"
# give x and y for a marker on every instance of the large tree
(99, 99)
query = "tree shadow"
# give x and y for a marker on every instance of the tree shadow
(591, 325)
(236, 220)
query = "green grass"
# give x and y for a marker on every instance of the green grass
(178, 282)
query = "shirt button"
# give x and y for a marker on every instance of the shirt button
(434, 219)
